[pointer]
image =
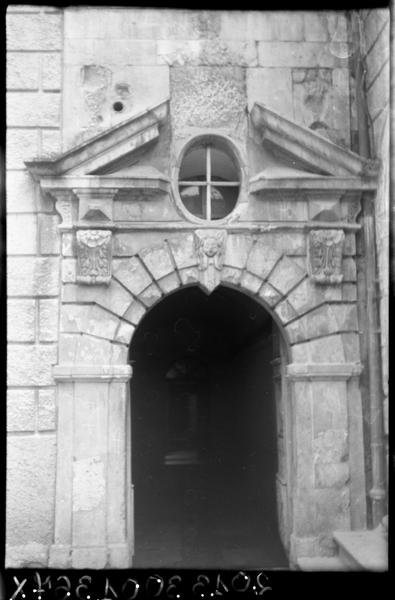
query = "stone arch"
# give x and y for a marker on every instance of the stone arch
(316, 325)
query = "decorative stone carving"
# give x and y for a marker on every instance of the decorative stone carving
(210, 249)
(94, 256)
(325, 250)
(64, 206)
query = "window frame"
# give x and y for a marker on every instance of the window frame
(208, 141)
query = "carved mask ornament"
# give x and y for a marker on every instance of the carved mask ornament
(325, 255)
(210, 249)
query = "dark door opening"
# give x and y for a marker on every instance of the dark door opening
(204, 447)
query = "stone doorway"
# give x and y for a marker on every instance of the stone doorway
(205, 434)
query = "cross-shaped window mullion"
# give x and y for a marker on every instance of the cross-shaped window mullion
(208, 181)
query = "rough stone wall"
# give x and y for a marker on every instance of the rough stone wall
(34, 43)
(376, 38)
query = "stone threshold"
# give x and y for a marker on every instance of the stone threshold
(363, 550)
(321, 563)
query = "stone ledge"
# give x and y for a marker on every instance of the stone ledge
(323, 371)
(92, 372)
(363, 550)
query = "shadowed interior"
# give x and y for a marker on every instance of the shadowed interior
(204, 433)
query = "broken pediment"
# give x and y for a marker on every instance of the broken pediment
(111, 151)
(305, 160)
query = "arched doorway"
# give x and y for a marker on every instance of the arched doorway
(205, 433)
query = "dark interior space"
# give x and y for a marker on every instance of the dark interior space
(204, 451)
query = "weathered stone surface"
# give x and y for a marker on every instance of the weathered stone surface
(169, 283)
(22, 71)
(22, 144)
(150, 295)
(48, 319)
(329, 405)
(331, 446)
(157, 260)
(21, 320)
(135, 312)
(269, 294)
(303, 433)
(67, 244)
(51, 72)
(324, 320)
(49, 237)
(30, 108)
(325, 349)
(30, 365)
(131, 273)
(207, 97)
(262, 259)
(215, 52)
(297, 54)
(349, 269)
(285, 275)
(113, 297)
(46, 409)
(21, 410)
(351, 346)
(21, 234)
(67, 347)
(21, 192)
(86, 318)
(272, 87)
(125, 244)
(231, 275)
(183, 251)
(34, 32)
(69, 270)
(286, 313)
(333, 475)
(323, 26)
(349, 292)
(119, 354)
(92, 350)
(321, 101)
(250, 282)
(189, 275)
(124, 332)
(237, 250)
(305, 296)
(89, 558)
(90, 51)
(332, 509)
(30, 475)
(51, 142)
(28, 276)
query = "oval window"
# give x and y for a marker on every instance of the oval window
(209, 181)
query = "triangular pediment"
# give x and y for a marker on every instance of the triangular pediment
(302, 158)
(112, 151)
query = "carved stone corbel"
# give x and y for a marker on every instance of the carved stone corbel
(325, 254)
(94, 253)
(210, 250)
(65, 206)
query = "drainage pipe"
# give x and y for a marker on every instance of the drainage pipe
(377, 493)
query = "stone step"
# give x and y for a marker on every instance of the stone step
(363, 550)
(322, 563)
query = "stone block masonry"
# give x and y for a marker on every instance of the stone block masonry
(34, 43)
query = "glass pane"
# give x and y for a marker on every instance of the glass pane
(223, 167)
(223, 201)
(194, 165)
(194, 200)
